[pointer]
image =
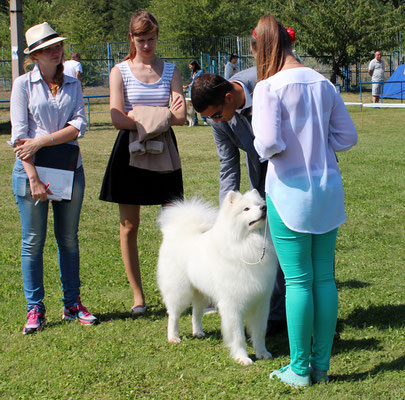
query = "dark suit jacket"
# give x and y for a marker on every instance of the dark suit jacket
(234, 135)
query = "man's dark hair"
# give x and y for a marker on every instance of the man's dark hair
(209, 90)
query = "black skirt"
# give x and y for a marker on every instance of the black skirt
(124, 184)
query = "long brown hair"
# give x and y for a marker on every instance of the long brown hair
(142, 23)
(58, 77)
(272, 42)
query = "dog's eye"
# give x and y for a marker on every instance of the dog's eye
(246, 209)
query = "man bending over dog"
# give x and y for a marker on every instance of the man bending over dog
(228, 106)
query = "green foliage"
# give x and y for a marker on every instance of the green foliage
(180, 19)
(347, 31)
(121, 12)
(82, 21)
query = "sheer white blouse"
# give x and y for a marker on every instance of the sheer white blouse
(299, 122)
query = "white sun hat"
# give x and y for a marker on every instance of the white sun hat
(40, 36)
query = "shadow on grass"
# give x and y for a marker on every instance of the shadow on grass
(100, 126)
(351, 284)
(152, 313)
(343, 346)
(395, 365)
(384, 316)
(5, 128)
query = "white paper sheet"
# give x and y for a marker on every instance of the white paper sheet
(60, 182)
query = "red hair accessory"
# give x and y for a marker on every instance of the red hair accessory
(254, 34)
(291, 32)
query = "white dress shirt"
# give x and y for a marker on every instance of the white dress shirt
(299, 122)
(35, 112)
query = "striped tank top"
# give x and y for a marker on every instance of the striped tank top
(137, 93)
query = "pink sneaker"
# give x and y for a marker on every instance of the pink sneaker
(36, 321)
(80, 312)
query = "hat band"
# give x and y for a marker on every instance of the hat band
(45, 39)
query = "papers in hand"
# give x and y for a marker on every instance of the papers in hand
(60, 182)
(56, 165)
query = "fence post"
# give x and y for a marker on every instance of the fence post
(109, 58)
(239, 51)
(88, 112)
(17, 38)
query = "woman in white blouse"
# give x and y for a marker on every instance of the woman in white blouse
(46, 109)
(299, 122)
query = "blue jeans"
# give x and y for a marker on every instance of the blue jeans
(311, 296)
(34, 227)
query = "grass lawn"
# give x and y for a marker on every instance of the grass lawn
(126, 358)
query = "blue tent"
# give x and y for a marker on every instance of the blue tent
(395, 90)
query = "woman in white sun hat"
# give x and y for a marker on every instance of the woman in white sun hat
(46, 110)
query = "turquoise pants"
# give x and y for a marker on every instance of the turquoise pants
(311, 296)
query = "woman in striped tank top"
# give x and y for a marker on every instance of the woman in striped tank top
(141, 79)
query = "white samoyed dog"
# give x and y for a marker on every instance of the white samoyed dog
(222, 256)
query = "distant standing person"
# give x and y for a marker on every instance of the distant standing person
(196, 71)
(376, 71)
(231, 67)
(73, 67)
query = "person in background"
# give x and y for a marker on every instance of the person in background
(299, 122)
(46, 109)
(231, 67)
(73, 67)
(196, 71)
(142, 79)
(376, 71)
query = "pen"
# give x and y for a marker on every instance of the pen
(46, 188)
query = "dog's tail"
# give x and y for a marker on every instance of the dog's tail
(188, 217)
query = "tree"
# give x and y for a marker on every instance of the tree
(180, 19)
(347, 31)
(121, 12)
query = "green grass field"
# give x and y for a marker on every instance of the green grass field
(125, 358)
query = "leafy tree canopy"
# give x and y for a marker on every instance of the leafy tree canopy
(182, 19)
(347, 31)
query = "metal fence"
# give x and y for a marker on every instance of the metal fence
(212, 55)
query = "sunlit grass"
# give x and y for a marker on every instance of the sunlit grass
(126, 358)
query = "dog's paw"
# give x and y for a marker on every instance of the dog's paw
(265, 355)
(244, 361)
(174, 339)
(199, 334)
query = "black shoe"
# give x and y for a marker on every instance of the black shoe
(274, 327)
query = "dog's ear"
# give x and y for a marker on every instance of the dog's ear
(256, 192)
(231, 196)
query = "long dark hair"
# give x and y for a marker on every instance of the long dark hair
(195, 65)
(271, 43)
(142, 23)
